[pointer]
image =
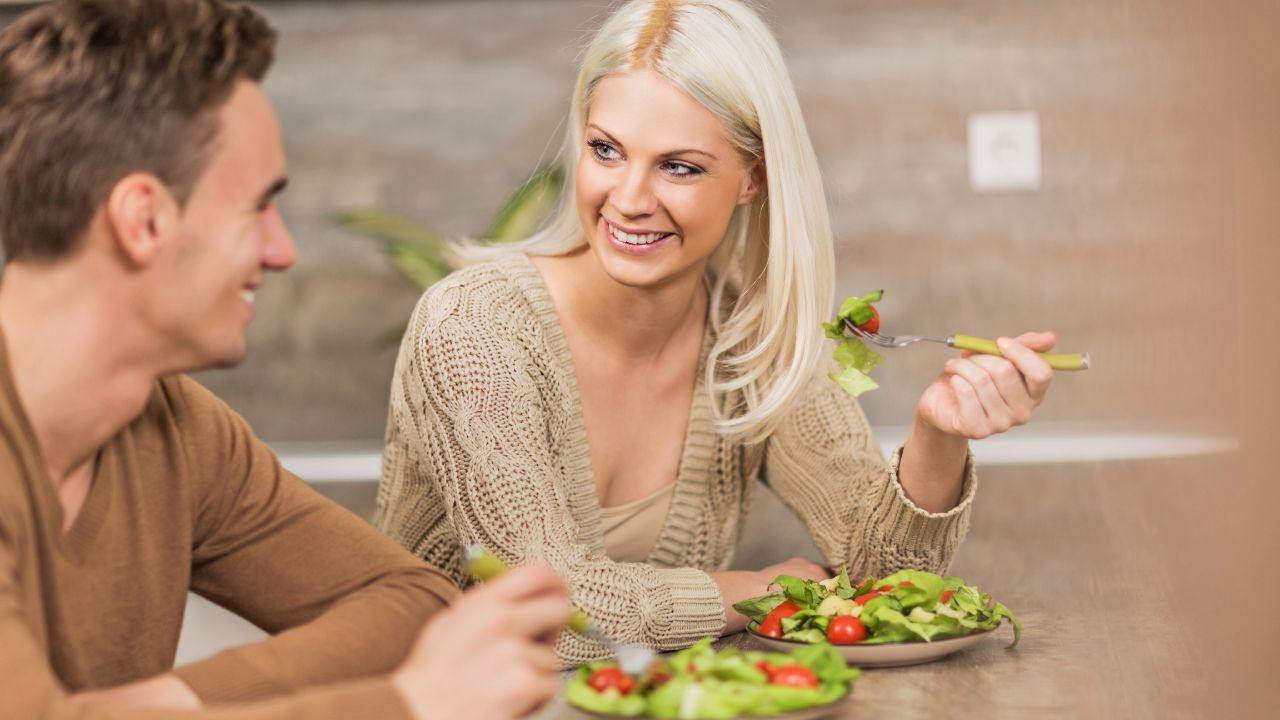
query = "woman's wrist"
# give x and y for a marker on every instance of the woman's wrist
(931, 469)
(736, 586)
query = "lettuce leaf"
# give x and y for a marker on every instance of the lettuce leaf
(757, 608)
(808, 594)
(854, 381)
(854, 358)
(856, 308)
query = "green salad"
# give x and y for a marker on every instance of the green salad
(854, 358)
(700, 682)
(907, 606)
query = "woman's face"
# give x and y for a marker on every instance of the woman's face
(658, 180)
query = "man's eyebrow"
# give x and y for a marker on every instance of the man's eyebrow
(672, 153)
(276, 188)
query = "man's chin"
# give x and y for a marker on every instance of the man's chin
(226, 358)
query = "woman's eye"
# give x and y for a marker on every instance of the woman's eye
(681, 170)
(604, 150)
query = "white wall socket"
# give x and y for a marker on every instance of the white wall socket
(1004, 151)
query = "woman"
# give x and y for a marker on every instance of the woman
(601, 396)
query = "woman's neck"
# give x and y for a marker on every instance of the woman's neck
(635, 323)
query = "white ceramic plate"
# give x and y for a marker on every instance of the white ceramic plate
(886, 655)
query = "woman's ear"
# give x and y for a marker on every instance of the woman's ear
(143, 216)
(754, 183)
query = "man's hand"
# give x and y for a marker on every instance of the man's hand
(490, 655)
(162, 691)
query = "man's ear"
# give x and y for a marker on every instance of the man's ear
(755, 183)
(143, 216)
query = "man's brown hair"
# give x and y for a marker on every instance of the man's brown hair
(93, 90)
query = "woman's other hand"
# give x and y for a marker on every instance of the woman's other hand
(738, 585)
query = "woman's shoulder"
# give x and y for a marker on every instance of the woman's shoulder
(497, 290)
(501, 301)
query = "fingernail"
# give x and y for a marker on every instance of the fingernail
(1003, 343)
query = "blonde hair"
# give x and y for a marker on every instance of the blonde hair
(773, 272)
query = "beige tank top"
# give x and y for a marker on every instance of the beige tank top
(631, 530)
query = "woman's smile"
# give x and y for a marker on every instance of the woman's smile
(636, 241)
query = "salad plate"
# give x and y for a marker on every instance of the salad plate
(885, 654)
(904, 618)
(811, 682)
(823, 712)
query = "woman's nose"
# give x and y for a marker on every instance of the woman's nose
(634, 196)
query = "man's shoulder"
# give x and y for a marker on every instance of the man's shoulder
(180, 401)
(183, 419)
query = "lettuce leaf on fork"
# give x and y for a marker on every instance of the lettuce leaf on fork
(855, 359)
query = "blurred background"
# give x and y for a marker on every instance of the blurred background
(1095, 167)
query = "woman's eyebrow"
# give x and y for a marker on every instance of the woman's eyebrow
(670, 153)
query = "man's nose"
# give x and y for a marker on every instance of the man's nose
(279, 251)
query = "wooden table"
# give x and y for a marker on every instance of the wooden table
(1089, 558)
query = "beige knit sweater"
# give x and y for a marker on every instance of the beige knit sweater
(485, 443)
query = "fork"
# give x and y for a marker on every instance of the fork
(1057, 361)
(632, 659)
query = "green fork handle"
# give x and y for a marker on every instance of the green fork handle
(484, 565)
(1057, 361)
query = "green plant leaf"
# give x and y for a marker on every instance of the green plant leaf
(416, 251)
(527, 208)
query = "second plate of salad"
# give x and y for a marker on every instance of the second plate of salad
(905, 618)
(700, 683)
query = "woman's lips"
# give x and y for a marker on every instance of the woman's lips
(636, 243)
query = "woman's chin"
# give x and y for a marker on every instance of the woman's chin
(633, 271)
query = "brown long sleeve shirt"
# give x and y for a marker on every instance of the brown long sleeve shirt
(187, 498)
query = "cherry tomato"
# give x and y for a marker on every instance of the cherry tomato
(794, 675)
(611, 678)
(846, 630)
(884, 589)
(864, 599)
(872, 325)
(946, 595)
(771, 626)
(766, 667)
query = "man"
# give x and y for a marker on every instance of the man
(139, 160)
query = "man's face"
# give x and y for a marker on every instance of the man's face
(229, 234)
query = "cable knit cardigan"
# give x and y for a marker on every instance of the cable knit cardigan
(485, 443)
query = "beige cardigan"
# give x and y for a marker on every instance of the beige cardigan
(485, 443)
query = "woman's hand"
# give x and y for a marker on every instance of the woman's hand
(978, 396)
(738, 585)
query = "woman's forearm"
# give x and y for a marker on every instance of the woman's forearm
(932, 467)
